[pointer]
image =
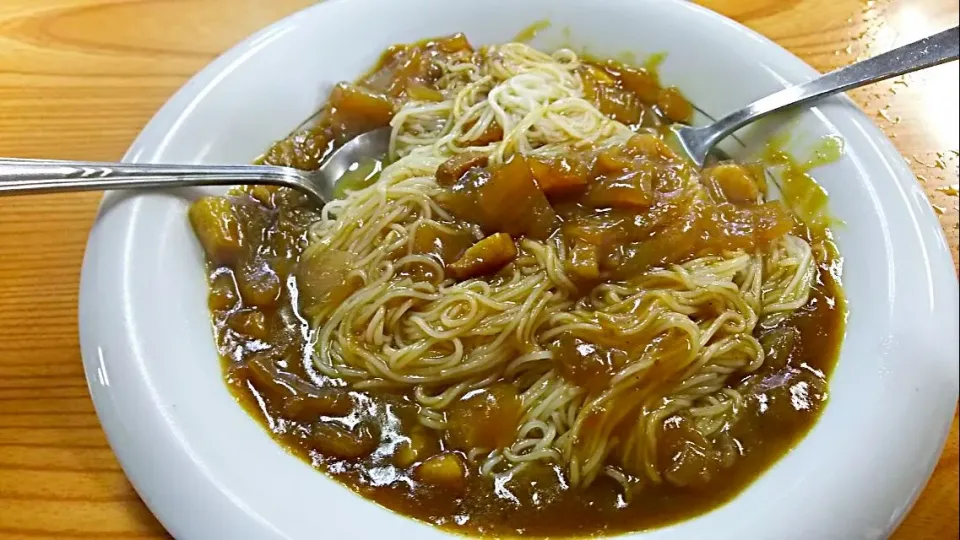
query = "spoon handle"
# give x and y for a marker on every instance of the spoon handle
(43, 175)
(928, 52)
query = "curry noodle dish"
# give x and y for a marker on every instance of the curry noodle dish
(533, 317)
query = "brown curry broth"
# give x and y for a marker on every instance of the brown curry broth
(275, 221)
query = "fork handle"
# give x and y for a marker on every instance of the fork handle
(19, 176)
(928, 52)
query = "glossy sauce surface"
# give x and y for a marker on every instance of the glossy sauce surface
(619, 211)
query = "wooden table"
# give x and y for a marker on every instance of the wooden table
(79, 78)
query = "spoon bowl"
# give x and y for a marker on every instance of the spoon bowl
(19, 176)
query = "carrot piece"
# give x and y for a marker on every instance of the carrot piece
(359, 103)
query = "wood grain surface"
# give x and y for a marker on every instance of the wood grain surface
(78, 80)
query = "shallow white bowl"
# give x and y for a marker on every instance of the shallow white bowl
(208, 471)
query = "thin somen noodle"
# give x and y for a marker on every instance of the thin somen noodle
(692, 323)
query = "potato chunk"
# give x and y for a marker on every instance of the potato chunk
(361, 104)
(421, 444)
(731, 182)
(455, 43)
(649, 146)
(445, 470)
(584, 261)
(486, 256)
(223, 292)
(674, 106)
(485, 418)
(641, 82)
(622, 105)
(258, 283)
(216, 224)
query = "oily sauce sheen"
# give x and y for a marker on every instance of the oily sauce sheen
(255, 238)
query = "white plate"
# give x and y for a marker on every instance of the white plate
(208, 471)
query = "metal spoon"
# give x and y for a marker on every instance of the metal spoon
(928, 52)
(39, 175)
